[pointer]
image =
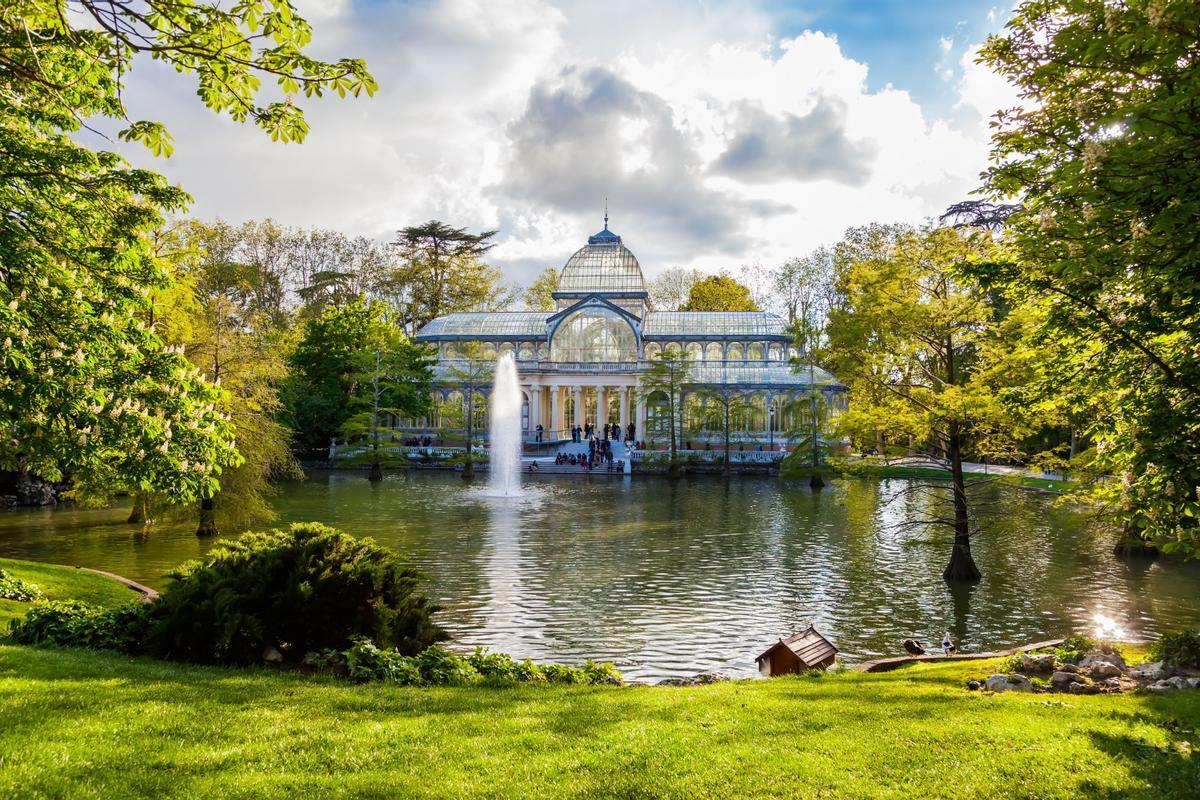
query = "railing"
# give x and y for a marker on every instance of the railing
(708, 456)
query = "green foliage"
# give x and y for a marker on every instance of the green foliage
(1101, 254)
(13, 588)
(719, 293)
(540, 294)
(87, 387)
(1180, 649)
(1074, 648)
(70, 623)
(437, 666)
(667, 374)
(307, 588)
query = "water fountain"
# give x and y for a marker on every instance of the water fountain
(504, 436)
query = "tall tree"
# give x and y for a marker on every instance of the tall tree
(540, 294)
(471, 372)
(87, 389)
(1101, 155)
(719, 293)
(442, 271)
(924, 326)
(393, 376)
(667, 374)
(724, 406)
(670, 290)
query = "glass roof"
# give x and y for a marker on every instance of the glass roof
(712, 324)
(488, 325)
(602, 265)
(756, 374)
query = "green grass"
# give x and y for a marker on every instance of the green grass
(61, 583)
(88, 725)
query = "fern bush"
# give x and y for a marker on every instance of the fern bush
(1180, 649)
(71, 623)
(307, 588)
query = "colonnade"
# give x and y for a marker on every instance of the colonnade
(560, 407)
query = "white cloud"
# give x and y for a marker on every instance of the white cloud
(717, 142)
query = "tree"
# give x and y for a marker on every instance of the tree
(471, 372)
(227, 330)
(722, 406)
(911, 329)
(1102, 249)
(441, 271)
(393, 376)
(321, 379)
(670, 290)
(539, 295)
(87, 388)
(667, 374)
(719, 293)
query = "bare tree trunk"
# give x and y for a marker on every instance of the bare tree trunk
(962, 565)
(208, 517)
(139, 514)
(376, 473)
(727, 469)
(469, 466)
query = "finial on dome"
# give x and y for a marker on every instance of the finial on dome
(606, 212)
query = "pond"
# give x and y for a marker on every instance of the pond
(671, 578)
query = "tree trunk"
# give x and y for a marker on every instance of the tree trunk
(1133, 544)
(376, 473)
(962, 565)
(138, 514)
(208, 518)
(727, 467)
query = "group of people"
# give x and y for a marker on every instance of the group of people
(600, 454)
(609, 432)
(419, 441)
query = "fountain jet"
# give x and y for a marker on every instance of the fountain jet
(504, 436)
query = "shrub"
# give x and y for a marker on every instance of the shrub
(501, 668)
(71, 623)
(1178, 649)
(308, 588)
(1074, 648)
(16, 589)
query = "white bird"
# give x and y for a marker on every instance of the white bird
(948, 646)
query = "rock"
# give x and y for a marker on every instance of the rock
(271, 655)
(1038, 662)
(1084, 688)
(701, 679)
(35, 492)
(1193, 683)
(1153, 671)
(1098, 657)
(1068, 668)
(1161, 686)
(1061, 680)
(974, 686)
(1009, 683)
(1103, 669)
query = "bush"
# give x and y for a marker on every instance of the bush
(71, 623)
(1074, 648)
(309, 588)
(16, 589)
(1178, 649)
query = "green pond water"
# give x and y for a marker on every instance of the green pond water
(672, 578)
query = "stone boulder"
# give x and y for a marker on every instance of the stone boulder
(1103, 669)
(1038, 663)
(1084, 688)
(1153, 671)
(1170, 684)
(1009, 683)
(1098, 657)
(1062, 680)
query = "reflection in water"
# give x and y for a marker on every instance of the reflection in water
(670, 578)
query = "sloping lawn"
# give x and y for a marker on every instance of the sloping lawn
(81, 725)
(61, 583)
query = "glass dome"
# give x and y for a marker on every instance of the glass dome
(602, 265)
(594, 335)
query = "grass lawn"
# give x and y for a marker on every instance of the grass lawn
(61, 583)
(79, 724)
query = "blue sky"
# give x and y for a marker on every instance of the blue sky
(724, 134)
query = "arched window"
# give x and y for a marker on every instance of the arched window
(735, 352)
(775, 352)
(754, 352)
(489, 349)
(507, 347)
(525, 353)
(695, 351)
(652, 350)
(449, 350)
(543, 351)
(673, 347)
(714, 352)
(658, 416)
(594, 335)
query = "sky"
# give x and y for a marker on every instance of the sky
(721, 133)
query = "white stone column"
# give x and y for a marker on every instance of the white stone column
(641, 418)
(624, 409)
(577, 411)
(555, 412)
(535, 408)
(601, 412)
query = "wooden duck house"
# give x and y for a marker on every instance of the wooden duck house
(799, 652)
